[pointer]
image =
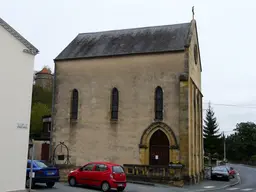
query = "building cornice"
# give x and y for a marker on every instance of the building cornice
(30, 48)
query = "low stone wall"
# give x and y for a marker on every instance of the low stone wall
(64, 171)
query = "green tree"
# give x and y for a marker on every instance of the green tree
(41, 95)
(38, 110)
(41, 105)
(241, 145)
(212, 137)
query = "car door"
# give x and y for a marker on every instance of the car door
(85, 174)
(99, 174)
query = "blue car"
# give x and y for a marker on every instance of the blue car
(42, 174)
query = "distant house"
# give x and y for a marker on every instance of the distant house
(42, 142)
(44, 78)
(17, 62)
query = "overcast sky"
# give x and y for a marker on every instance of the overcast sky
(226, 28)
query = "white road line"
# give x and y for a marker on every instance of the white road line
(144, 187)
(248, 189)
(232, 189)
(209, 187)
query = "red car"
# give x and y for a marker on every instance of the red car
(105, 175)
(232, 172)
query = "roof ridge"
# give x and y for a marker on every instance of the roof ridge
(31, 48)
(134, 28)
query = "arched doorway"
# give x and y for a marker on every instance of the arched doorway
(159, 149)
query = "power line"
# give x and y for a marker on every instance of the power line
(250, 106)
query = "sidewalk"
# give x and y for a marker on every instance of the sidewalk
(206, 185)
(210, 185)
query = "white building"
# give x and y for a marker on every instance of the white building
(16, 79)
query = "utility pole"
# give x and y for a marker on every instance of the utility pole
(224, 140)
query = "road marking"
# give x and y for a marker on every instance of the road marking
(232, 189)
(249, 189)
(142, 187)
(209, 187)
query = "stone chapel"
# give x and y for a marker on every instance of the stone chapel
(129, 96)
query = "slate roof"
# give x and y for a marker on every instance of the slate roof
(30, 48)
(155, 39)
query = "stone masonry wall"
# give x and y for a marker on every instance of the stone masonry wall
(94, 137)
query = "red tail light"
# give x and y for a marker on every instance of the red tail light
(39, 172)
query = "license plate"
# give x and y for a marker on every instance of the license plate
(33, 174)
(50, 173)
(120, 185)
(219, 176)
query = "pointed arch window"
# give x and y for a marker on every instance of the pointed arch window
(114, 103)
(159, 103)
(74, 104)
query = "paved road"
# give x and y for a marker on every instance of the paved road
(60, 187)
(248, 179)
(247, 175)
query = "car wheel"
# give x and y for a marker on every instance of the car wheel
(72, 182)
(105, 186)
(50, 184)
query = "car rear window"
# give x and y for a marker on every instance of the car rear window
(221, 169)
(40, 164)
(117, 169)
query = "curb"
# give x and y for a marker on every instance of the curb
(142, 183)
(64, 180)
(230, 185)
(153, 184)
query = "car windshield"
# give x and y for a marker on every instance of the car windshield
(117, 169)
(40, 164)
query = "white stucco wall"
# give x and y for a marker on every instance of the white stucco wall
(16, 78)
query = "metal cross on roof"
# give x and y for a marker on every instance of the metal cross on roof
(193, 12)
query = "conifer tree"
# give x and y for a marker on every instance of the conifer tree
(212, 137)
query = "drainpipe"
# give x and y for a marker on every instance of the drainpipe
(52, 119)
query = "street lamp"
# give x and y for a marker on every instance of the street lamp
(224, 142)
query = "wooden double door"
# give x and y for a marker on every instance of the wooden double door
(159, 149)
